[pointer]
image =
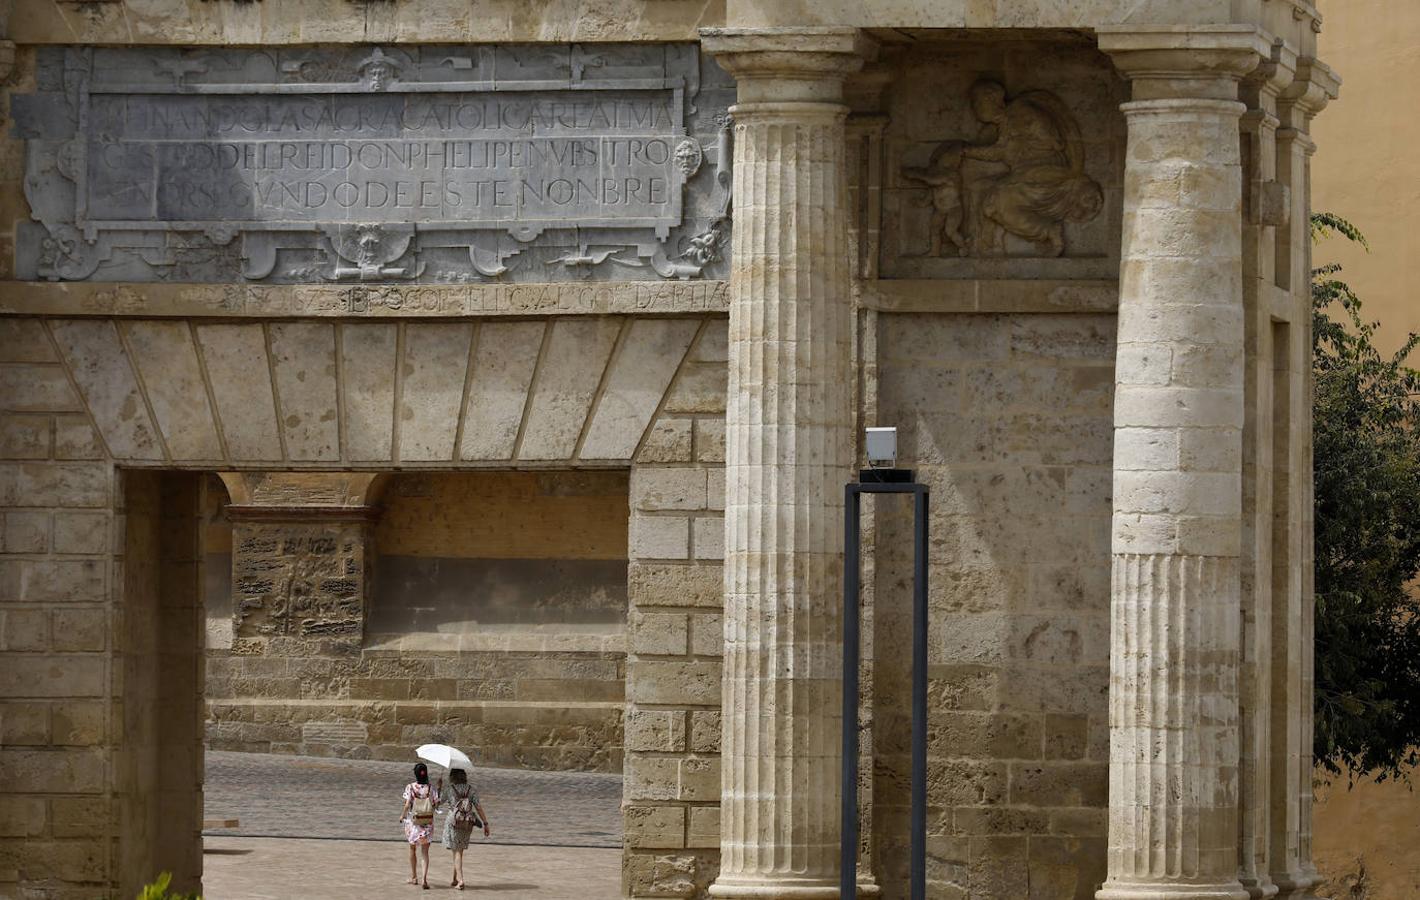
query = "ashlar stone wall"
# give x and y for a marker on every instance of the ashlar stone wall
(671, 803)
(1007, 419)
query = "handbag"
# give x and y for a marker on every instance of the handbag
(421, 811)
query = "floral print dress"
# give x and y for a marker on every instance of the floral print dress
(418, 834)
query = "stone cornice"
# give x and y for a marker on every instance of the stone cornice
(788, 65)
(1173, 63)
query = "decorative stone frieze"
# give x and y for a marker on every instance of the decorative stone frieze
(399, 164)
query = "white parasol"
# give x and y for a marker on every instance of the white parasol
(446, 756)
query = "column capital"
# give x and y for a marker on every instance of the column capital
(1314, 85)
(1185, 63)
(787, 65)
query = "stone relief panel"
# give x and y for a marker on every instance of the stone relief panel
(1012, 167)
(512, 163)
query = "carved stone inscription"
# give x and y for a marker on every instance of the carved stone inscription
(512, 163)
(465, 160)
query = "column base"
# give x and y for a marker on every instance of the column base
(1298, 887)
(1259, 889)
(1170, 890)
(772, 888)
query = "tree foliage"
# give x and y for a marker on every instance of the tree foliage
(1367, 468)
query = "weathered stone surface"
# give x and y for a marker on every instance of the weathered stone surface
(562, 394)
(431, 390)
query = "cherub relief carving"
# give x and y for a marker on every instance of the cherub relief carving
(1024, 174)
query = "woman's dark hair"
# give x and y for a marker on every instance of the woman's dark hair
(421, 773)
(458, 776)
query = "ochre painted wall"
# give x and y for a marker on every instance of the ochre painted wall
(1367, 169)
(1367, 166)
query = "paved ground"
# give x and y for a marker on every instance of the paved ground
(322, 829)
(296, 869)
(300, 796)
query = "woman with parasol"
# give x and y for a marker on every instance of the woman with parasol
(465, 812)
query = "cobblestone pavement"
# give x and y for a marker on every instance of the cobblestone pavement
(307, 797)
(296, 869)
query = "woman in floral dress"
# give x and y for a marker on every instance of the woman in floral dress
(417, 817)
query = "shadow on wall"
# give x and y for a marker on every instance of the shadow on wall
(464, 552)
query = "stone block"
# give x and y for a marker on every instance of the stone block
(61, 771)
(24, 436)
(680, 487)
(75, 438)
(303, 360)
(1066, 737)
(661, 584)
(166, 357)
(75, 485)
(654, 730)
(504, 362)
(22, 817)
(105, 376)
(710, 443)
(693, 682)
(658, 634)
(705, 729)
(36, 389)
(659, 537)
(24, 341)
(1059, 784)
(708, 534)
(81, 629)
(667, 441)
(699, 388)
(655, 827)
(714, 344)
(24, 629)
(698, 779)
(649, 353)
(651, 778)
(704, 830)
(24, 723)
(81, 532)
(25, 532)
(240, 375)
(707, 635)
(436, 356)
(562, 394)
(80, 724)
(62, 581)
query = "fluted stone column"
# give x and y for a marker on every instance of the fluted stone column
(788, 453)
(1179, 383)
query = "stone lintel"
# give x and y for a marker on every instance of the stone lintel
(786, 65)
(292, 514)
(1172, 63)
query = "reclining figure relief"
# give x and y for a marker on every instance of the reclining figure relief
(1024, 174)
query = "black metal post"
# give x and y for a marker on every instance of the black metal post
(878, 481)
(919, 695)
(848, 847)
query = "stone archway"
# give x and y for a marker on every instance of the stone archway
(112, 403)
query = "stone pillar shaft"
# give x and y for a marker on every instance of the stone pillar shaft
(788, 453)
(1179, 387)
(1292, 867)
